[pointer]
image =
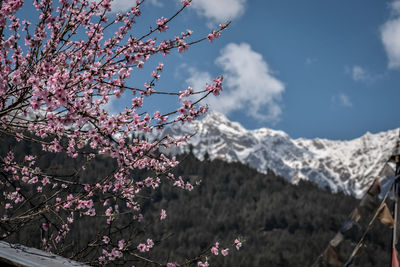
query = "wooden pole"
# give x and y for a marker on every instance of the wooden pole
(394, 241)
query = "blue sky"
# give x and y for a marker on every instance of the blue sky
(312, 68)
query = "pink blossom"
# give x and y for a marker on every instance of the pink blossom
(223, 26)
(91, 212)
(106, 239)
(216, 87)
(140, 64)
(29, 158)
(238, 244)
(210, 37)
(35, 104)
(183, 47)
(224, 252)
(214, 249)
(160, 67)
(163, 214)
(109, 211)
(201, 264)
(189, 187)
(150, 243)
(105, 252)
(155, 75)
(116, 253)
(34, 180)
(162, 27)
(102, 260)
(186, 2)
(142, 248)
(121, 244)
(45, 181)
(186, 93)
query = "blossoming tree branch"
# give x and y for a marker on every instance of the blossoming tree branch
(57, 78)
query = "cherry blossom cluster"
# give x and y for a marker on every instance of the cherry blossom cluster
(58, 76)
(215, 251)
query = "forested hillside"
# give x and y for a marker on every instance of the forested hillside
(282, 224)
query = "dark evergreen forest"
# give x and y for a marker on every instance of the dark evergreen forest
(282, 224)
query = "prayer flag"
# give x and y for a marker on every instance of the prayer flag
(375, 188)
(332, 256)
(385, 216)
(368, 203)
(355, 215)
(336, 240)
(395, 261)
(347, 226)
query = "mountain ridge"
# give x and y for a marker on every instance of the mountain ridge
(348, 166)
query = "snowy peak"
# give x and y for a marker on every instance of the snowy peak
(348, 166)
(215, 120)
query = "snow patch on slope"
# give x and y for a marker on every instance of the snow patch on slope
(348, 166)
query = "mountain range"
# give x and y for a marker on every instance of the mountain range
(349, 166)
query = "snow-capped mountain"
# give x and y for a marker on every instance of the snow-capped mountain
(348, 166)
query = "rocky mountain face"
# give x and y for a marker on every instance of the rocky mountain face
(348, 166)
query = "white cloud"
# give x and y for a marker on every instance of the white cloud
(198, 79)
(126, 5)
(395, 6)
(390, 36)
(310, 60)
(219, 11)
(359, 74)
(122, 5)
(112, 106)
(157, 3)
(248, 86)
(342, 99)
